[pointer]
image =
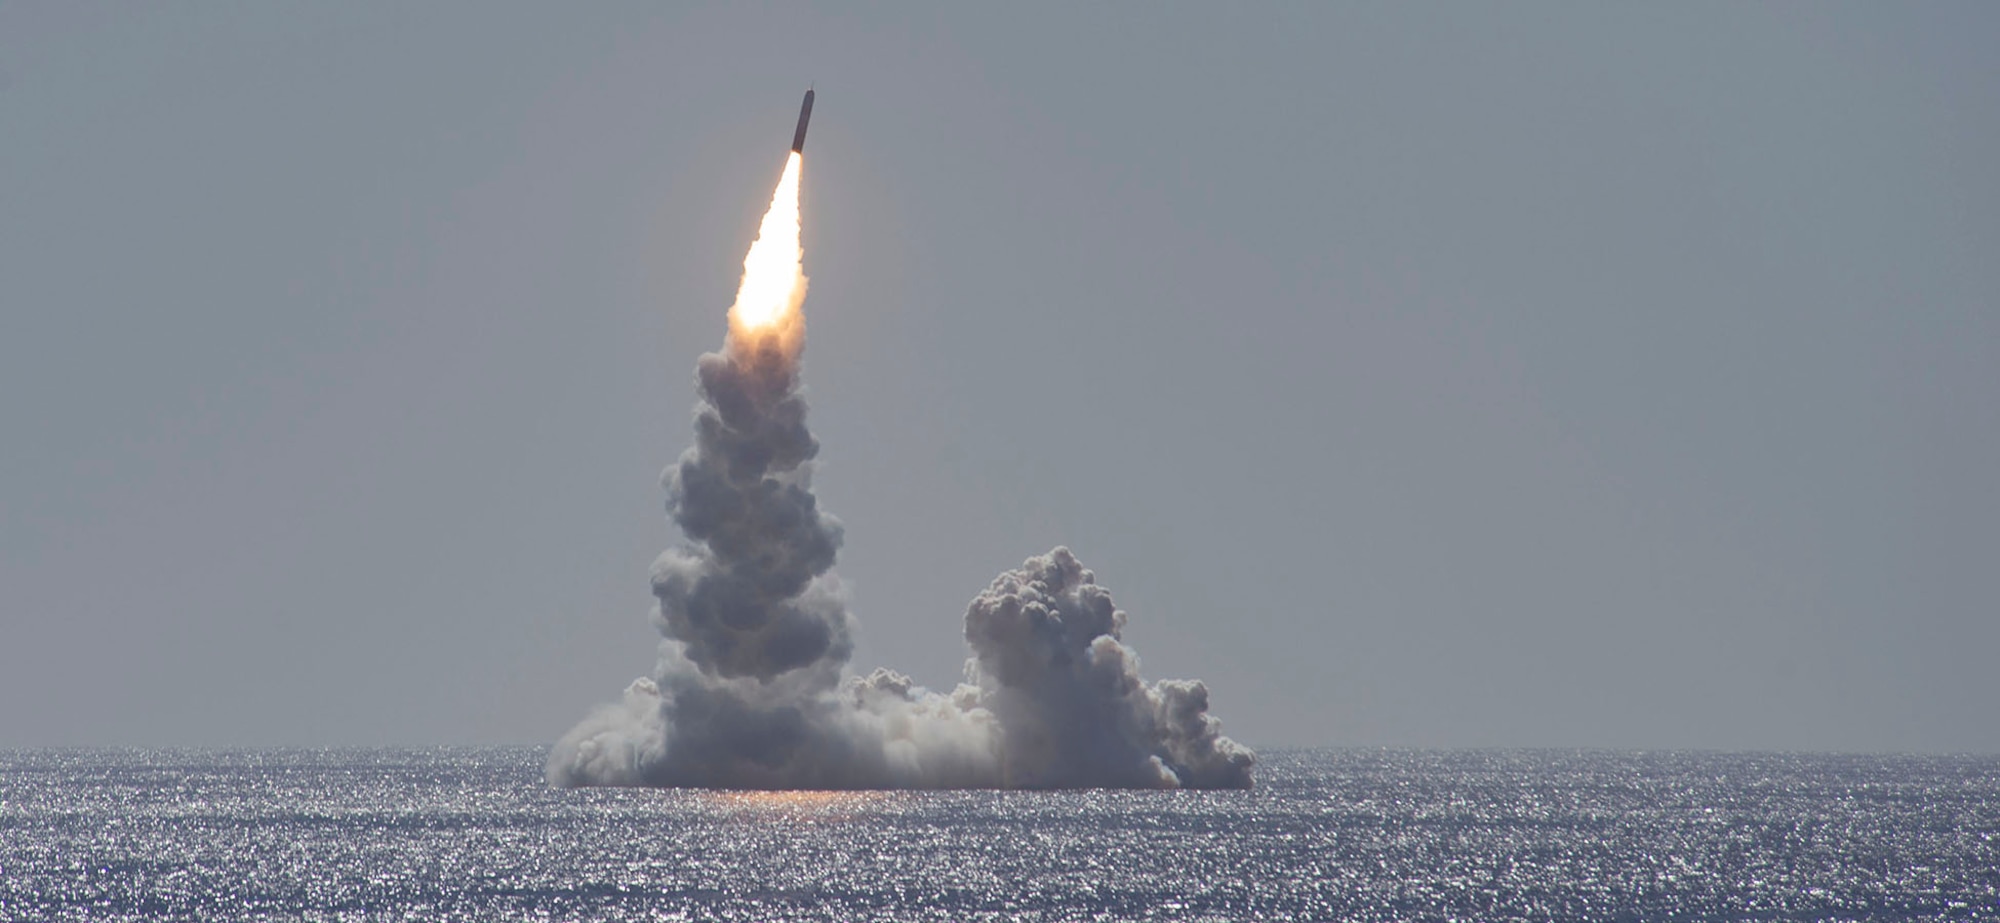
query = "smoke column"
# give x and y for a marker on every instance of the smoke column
(751, 690)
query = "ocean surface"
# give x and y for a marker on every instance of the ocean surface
(474, 834)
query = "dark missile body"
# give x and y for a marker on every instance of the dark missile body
(805, 114)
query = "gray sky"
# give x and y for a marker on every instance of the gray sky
(1416, 375)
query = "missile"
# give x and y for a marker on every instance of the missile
(805, 114)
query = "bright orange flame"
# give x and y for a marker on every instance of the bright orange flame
(774, 278)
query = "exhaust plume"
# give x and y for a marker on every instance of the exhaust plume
(750, 690)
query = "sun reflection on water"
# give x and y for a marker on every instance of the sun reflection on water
(797, 805)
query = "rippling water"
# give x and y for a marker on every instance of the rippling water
(1364, 835)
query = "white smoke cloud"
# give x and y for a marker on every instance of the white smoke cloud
(751, 692)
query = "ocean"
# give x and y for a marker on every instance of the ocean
(475, 834)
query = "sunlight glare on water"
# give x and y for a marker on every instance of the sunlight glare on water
(1364, 835)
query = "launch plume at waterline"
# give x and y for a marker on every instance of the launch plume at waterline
(751, 688)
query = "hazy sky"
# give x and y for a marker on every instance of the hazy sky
(1438, 375)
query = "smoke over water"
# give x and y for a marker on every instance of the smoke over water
(751, 689)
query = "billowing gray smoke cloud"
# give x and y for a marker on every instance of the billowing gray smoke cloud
(1072, 710)
(749, 689)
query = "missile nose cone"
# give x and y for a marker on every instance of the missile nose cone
(805, 115)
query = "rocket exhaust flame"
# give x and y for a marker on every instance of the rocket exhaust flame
(774, 278)
(751, 691)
